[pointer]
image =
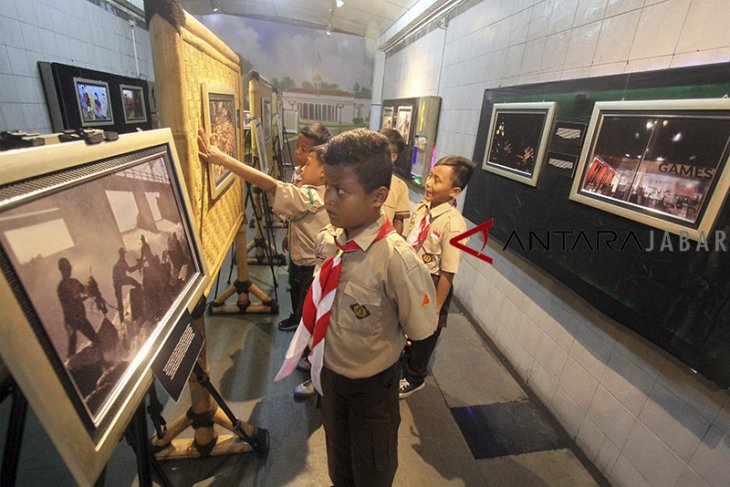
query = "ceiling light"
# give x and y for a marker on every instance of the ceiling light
(329, 30)
(214, 5)
(340, 3)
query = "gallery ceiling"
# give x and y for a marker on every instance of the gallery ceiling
(366, 18)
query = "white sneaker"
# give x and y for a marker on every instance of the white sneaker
(305, 389)
(406, 388)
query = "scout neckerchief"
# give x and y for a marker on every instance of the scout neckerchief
(419, 233)
(317, 310)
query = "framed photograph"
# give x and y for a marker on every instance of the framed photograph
(219, 119)
(291, 121)
(246, 119)
(387, 118)
(403, 121)
(266, 117)
(99, 260)
(94, 102)
(133, 104)
(661, 163)
(518, 137)
(258, 133)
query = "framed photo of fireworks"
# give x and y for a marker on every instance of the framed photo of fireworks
(133, 104)
(661, 163)
(219, 119)
(94, 102)
(98, 261)
(519, 134)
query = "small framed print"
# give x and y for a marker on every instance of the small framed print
(518, 137)
(387, 118)
(219, 118)
(94, 103)
(133, 104)
(403, 121)
(569, 134)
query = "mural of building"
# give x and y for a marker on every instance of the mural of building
(328, 107)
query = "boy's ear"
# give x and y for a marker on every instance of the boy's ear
(379, 196)
(455, 191)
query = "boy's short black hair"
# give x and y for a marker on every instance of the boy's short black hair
(461, 169)
(317, 133)
(367, 151)
(394, 138)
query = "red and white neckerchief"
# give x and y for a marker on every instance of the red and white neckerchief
(419, 233)
(317, 310)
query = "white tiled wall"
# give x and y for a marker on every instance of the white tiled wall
(75, 32)
(641, 416)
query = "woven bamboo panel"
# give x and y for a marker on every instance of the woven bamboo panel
(185, 60)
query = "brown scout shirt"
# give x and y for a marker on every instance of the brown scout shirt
(305, 208)
(446, 223)
(397, 204)
(384, 292)
(324, 245)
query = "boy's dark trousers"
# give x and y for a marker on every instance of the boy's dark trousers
(361, 419)
(415, 363)
(300, 278)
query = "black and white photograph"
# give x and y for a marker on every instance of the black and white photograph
(102, 263)
(518, 136)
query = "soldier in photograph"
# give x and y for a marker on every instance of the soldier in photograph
(120, 278)
(71, 294)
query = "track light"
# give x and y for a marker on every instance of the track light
(329, 30)
(340, 3)
(214, 5)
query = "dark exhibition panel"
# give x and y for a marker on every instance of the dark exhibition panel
(636, 234)
(79, 97)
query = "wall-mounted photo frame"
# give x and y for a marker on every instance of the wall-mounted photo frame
(403, 121)
(133, 104)
(98, 261)
(387, 118)
(291, 121)
(266, 117)
(247, 119)
(662, 163)
(258, 133)
(518, 138)
(94, 102)
(219, 119)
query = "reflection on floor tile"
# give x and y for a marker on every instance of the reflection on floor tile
(509, 428)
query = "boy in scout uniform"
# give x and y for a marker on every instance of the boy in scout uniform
(357, 335)
(435, 221)
(309, 137)
(397, 207)
(304, 206)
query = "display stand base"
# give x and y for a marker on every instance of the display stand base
(185, 448)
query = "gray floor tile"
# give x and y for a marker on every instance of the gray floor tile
(546, 468)
(466, 371)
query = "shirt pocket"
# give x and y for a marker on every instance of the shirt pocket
(431, 252)
(360, 309)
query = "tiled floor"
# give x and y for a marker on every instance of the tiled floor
(473, 424)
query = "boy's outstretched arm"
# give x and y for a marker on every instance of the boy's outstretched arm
(213, 155)
(442, 288)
